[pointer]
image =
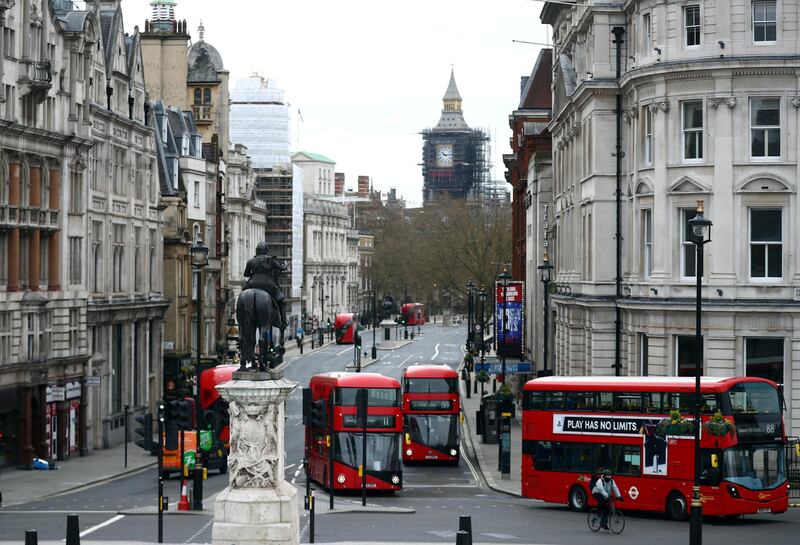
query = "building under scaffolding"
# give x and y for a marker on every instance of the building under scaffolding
(455, 158)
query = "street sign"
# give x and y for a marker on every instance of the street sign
(93, 381)
(496, 368)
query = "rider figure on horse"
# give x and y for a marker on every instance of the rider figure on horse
(262, 272)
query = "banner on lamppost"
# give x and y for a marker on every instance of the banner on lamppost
(509, 338)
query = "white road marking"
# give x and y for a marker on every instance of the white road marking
(110, 521)
(345, 350)
(471, 468)
(435, 352)
(408, 358)
(290, 466)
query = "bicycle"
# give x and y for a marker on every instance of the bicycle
(616, 519)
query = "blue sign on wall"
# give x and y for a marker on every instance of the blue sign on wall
(512, 367)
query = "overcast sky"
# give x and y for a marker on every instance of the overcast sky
(368, 75)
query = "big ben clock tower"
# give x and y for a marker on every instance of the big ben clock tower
(453, 155)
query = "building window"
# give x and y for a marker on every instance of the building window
(691, 25)
(97, 256)
(118, 170)
(647, 243)
(206, 96)
(3, 258)
(117, 368)
(118, 258)
(765, 127)
(24, 259)
(766, 243)
(693, 130)
(198, 98)
(44, 260)
(137, 260)
(75, 260)
(685, 355)
(764, 358)
(76, 192)
(74, 331)
(152, 260)
(95, 164)
(648, 34)
(765, 21)
(5, 337)
(138, 176)
(648, 136)
(644, 354)
(197, 194)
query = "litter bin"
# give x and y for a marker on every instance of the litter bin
(491, 417)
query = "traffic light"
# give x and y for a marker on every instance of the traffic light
(362, 401)
(357, 340)
(145, 431)
(185, 415)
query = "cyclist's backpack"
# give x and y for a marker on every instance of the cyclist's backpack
(592, 482)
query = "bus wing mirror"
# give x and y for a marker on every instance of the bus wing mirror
(714, 461)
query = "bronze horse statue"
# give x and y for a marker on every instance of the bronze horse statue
(256, 310)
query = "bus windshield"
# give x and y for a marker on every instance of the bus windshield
(383, 450)
(754, 397)
(433, 430)
(756, 467)
(377, 397)
(431, 386)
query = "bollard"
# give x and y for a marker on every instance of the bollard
(73, 530)
(463, 538)
(465, 523)
(31, 537)
(311, 515)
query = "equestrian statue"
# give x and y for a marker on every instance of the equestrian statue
(261, 306)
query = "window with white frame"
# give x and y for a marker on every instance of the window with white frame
(766, 243)
(764, 358)
(118, 170)
(648, 135)
(688, 249)
(686, 355)
(765, 21)
(692, 128)
(152, 260)
(97, 257)
(137, 260)
(691, 25)
(197, 194)
(75, 192)
(647, 243)
(765, 127)
(647, 33)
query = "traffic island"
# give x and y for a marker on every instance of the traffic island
(258, 507)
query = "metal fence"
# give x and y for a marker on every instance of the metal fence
(793, 467)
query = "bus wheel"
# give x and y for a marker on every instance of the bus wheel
(577, 498)
(677, 508)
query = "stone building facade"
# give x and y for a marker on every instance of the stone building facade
(709, 111)
(80, 336)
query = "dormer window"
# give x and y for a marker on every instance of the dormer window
(198, 96)
(206, 96)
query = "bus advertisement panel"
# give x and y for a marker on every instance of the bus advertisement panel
(345, 328)
(332, 431)
(641, 428)
(431, 407)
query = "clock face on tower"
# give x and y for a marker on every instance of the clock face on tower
(444, 155)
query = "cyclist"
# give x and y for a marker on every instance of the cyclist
(604, 490)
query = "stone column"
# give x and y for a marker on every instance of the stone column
(13, 235)
(54, 248)
(258, 507)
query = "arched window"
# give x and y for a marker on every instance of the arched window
(206, 96)
(4, 182)
(197, 96)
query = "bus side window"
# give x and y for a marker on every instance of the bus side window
(710, 404)
(628, 402)
(606, 402)
(682, 402)
(652, 402)
(554, 400)
(543, 459)
(533, 400)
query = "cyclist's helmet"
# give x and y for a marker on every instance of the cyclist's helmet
(606, 473)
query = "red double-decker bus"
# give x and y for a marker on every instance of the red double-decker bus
(572, 427)
(345, 328)
(333, 407)
(430, 414)
(413, 313)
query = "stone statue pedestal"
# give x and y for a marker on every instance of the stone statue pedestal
(258, 507)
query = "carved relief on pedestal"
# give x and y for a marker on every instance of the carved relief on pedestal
(253, 458)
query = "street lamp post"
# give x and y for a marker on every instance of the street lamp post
(199, 258)
(544, 274)
(470, 288)
(700, 236)
(374, 352)
(504, 276)
(482, 297)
